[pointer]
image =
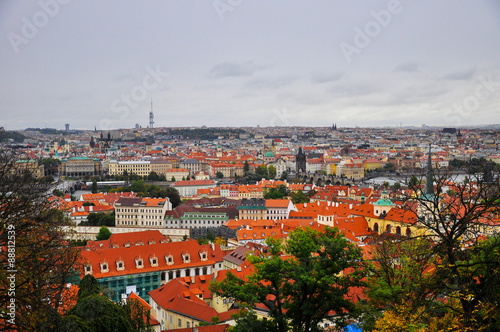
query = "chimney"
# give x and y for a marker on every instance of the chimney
(305, 204)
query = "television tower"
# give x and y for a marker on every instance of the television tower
(151, 116)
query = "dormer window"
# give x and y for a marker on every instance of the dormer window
(153, 261)
(169, 259)
(120, 266)
(127, 244)
(186, 258)
(104, 267)
(139, 264)
(88, 269)
(203, 256)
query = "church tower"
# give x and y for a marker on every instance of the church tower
(300, 161)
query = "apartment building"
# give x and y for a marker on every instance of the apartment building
(278, 209)
(142, 267)
(81, 166)
(141, 212)
(139, 167)
(190, 188)
(252, 209)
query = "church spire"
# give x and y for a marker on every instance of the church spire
(429, 186)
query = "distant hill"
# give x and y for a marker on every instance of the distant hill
(6, 135)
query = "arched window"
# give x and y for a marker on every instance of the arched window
(408, 231)
(398, 230)
(388, 228)
(375, 227)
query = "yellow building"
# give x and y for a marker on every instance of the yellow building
(30, 166)
(350, 170)
(252, 209)
(141, 212)
(138, 167)
(370, 164)
(81, 166)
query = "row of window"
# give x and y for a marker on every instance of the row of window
(153, 261)
(194, 222)
(138, 210)
(128, 216)
(143, 223)
(389, 228)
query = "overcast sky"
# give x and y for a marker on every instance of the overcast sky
(249, 62)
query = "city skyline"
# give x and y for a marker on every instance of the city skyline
(246, 63)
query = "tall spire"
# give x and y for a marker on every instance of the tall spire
(151, 116)
(429, 186)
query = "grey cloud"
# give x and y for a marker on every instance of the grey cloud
(270, 83)
(460, 75)
(325, 78)
(407, 67)
(233, 69)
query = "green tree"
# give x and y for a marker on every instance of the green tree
(299, 197)
(172, 179)
(455, 225)
(44, 262)
(51, 165)
(58, 193)
(284, 176)
(246, 167)
(401, 274)
(273, 193)
(138, 186)
(413, 182)
(173, 196)
(95, 312)
(153, 176)
(94, 187)
(389, 167)
(272, 171)
(262, 172)
(219, 175)
(300, 289)
(104, 234)
(396, 186)
(210, 236)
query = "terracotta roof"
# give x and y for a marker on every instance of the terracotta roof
(176, 296)
(277, 203)
(161, 251)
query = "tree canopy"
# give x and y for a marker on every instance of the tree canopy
(37, 260)
(95, 312)
(301, 283)
(448, 274)
(104, 234)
